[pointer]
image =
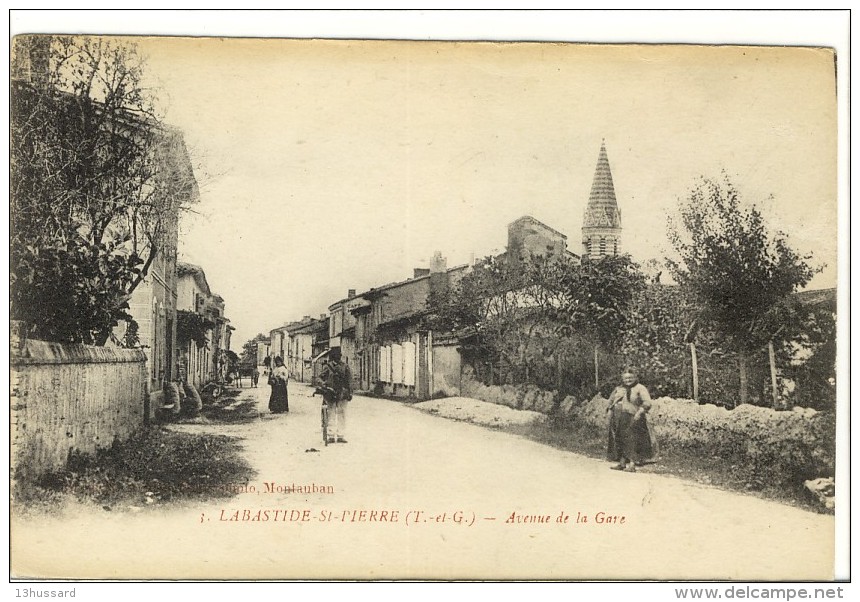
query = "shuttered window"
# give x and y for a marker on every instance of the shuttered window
(409, 364)
(383, 369)
(397, 364)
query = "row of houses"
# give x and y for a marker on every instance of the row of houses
(182, 327)
(383, 334)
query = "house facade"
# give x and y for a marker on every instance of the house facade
(279, 341)
(303, 337)
(394, 347)
(262, 354)
(204, 330)
(154, 303)
(528, 237)
(342, 331)
(153, 307)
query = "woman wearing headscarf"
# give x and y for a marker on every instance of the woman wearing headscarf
(278, 400)
(631, 441)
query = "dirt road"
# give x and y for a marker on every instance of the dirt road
(415, 495)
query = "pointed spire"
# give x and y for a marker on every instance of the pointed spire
(602, 210)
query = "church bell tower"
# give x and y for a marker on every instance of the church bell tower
(601, 224)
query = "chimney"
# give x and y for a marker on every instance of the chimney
(350, 293)
(438, 274)
(438, 263)
(419, 272)
(305, 318)
(322, 316)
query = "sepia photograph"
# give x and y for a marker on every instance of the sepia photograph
(291, 308)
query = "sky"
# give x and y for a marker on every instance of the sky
(327, 165)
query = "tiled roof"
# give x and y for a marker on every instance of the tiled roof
(185, 269)
(817, 297)
(602, 210)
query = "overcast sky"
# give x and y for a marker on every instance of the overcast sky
(327, 166)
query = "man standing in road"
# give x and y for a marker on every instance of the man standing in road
(337, 376)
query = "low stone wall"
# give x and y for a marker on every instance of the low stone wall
(71, 397)
(776, 447)
(518, 397)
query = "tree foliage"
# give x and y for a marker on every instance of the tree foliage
(249, 349)
(740, 273)
(599, 297)
(525, 313)
(661, 323)
(96, 183)
(191, 326)
(507, 305)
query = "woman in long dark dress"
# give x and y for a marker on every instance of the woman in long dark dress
(278, 400)
(631, 441)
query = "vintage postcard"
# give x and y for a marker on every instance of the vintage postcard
(300, 309)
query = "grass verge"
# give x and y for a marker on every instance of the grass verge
(154, 465)
(690, 465)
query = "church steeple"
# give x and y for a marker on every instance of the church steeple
(601, 224)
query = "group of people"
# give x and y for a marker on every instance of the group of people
(335, 375)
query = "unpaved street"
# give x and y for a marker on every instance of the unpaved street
(415, 495)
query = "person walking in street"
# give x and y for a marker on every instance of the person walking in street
(631, 441)
(278, 400)
(255, 377)
(337, 376)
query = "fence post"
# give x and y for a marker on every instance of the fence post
(596, 370)
(558, 371)
(772, 358)
(695, 372)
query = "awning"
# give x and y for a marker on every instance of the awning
(321, 355)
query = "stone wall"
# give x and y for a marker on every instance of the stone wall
(776, 446)
(446, 371)
(518, 397)
(68, 398)
(405, 300)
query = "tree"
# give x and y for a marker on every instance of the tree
(499, 303)
(599, 296)
(662, 323)
(96, 184)
(811, 357)
(739, 272)
(523, 312)
(249, 349)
